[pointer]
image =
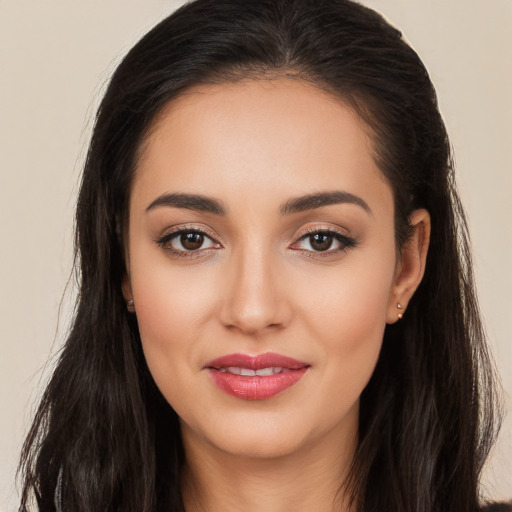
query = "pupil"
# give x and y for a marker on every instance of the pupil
(191, 241)
(321, 242)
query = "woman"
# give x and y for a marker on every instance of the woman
(276, 307)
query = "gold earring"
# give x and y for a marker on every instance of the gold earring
(130, 306)
(400, 315)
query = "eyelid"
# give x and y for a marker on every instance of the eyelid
(186, 228)
(323, 229)
(341, 235)
(171, 233)
(346, 240)
(335, 231)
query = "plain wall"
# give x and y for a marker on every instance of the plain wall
(55, 57)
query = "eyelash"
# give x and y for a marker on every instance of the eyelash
(165, 241)
(345, 242)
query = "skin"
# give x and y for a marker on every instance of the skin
(258, 285)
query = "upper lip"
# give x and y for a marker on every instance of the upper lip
(256, 362)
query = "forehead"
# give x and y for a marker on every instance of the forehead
(270, 136)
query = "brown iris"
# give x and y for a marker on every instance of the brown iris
(192, 241)
(321, 241)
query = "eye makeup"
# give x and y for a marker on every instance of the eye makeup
(324, 241)
(187, 242)
(315, 242)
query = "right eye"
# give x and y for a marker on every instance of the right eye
(186, 242)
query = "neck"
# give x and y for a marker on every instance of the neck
(311, 479)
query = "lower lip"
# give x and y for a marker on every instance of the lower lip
(256, 388)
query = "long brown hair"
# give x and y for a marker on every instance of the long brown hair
(104, 431)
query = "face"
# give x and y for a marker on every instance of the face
(262, 264)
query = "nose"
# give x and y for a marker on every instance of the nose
(255, 299)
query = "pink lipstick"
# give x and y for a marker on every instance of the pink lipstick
(258, 377)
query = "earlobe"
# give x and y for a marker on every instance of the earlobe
(126, 285)
(411, 267)
(127, 293)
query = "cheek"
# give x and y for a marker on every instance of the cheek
(350, 306)
(347, 317)
(172, 310)
(166, 307)
(353, 325)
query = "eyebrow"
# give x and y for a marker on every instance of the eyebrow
(318, 200)
(294, 205)
(190, 202)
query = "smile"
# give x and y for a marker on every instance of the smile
(247, 372)
(257, 377)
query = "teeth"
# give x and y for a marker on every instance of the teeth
(246, 372)
(265, 372)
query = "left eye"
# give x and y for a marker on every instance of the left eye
(322, 241)
(187, 241)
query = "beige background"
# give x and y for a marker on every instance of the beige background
(55, 57)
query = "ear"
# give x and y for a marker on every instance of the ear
(127, 293)
(127, 288)
(411, 265)
(127, 285)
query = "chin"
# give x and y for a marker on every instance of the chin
(260, 445)
(260, 436)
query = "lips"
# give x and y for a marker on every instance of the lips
(257, 377)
